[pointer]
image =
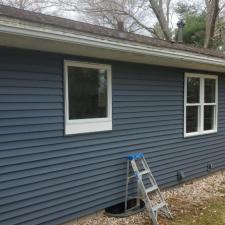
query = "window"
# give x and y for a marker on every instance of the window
(88, 101)
(200, 104)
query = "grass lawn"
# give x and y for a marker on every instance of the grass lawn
(211, 213)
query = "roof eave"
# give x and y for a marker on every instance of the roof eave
(24, 29)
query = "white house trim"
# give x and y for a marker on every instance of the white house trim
(201, 104)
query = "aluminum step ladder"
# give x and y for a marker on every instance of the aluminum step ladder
(137, 168)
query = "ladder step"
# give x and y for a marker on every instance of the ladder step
(144, 172)
(151, 189)
(158, 206)
(141, 173)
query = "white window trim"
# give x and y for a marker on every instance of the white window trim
(87, 125)
(201, 104)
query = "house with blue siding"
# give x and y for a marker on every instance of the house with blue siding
(76, 99)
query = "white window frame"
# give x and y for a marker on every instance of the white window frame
(201, 104)
(79, 126)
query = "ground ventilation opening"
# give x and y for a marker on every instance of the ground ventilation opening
(118, 210)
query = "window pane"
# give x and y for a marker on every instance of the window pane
(209, 113)
(191, 119)
(193, 90)
(87, 93)
(210, 86)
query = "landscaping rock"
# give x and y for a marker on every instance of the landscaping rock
(182, 199)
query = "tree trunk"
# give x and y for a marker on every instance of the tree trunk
(157, 7)
(212, 10)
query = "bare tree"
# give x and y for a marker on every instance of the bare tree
(33, 5)
(212, 11)
(162, 17)
(109, 12)
(137, 15)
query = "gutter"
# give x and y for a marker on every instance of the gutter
(34, 30)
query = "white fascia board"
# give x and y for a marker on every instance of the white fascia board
(46, 32)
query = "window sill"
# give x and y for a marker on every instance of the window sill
(200, 134)
(87, 127)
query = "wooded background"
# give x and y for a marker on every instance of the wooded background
(204, 19)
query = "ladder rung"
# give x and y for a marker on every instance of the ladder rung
(158, 206)
(140, 173)
(150, 189)
(144, 172)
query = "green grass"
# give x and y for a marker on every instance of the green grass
(213, 213)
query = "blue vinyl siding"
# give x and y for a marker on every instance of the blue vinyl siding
(49, 178)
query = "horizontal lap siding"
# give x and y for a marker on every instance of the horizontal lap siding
(48, 178)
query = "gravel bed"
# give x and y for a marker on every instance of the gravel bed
(181, 199)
